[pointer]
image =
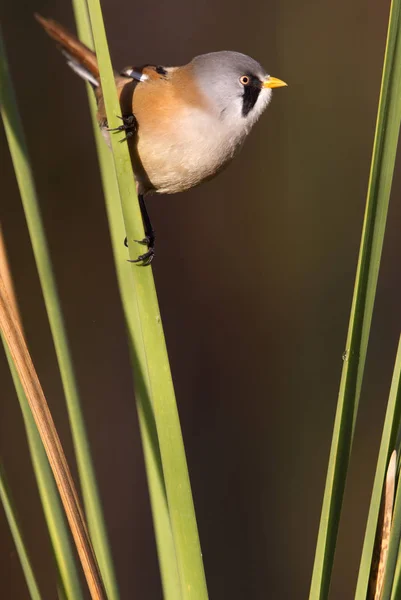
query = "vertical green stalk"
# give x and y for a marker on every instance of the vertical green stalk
(150, 444)
(19, 154)
(157, 491)
(18, 538)
(150, 349)
(381, 174)
(160, 512)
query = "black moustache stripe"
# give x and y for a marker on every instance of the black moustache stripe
(251, 93)
(249, 98)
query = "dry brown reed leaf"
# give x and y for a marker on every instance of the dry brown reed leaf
(380, 551)
(12, 331)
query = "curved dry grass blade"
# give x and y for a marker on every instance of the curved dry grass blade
(383, 533)
(52, 508)
(13, 335)
(23, 172)
(390, 584)
(6, 273)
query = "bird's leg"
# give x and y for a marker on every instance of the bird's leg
(149, 239)
(129, 126)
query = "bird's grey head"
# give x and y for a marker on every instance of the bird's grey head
(237, 85)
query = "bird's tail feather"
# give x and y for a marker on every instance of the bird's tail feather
(79, 57)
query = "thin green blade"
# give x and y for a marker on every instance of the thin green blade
(388, 441)
(150, 345)
(18, 537)
(381, 174)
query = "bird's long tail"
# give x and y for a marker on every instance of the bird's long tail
(79, 57)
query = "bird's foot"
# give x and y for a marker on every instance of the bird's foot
(129, 126)
(148, 256)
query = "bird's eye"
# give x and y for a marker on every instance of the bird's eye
(244, 79)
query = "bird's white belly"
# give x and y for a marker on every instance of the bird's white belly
(194, 150)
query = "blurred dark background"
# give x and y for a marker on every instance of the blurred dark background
(254, 272)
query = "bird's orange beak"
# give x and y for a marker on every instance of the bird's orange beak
(273, 82)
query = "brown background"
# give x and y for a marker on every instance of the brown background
(255, 274)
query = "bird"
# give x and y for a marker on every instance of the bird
(183, 124)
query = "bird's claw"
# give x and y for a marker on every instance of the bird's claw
(146, 258)
(147, 241)
(129, 126)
